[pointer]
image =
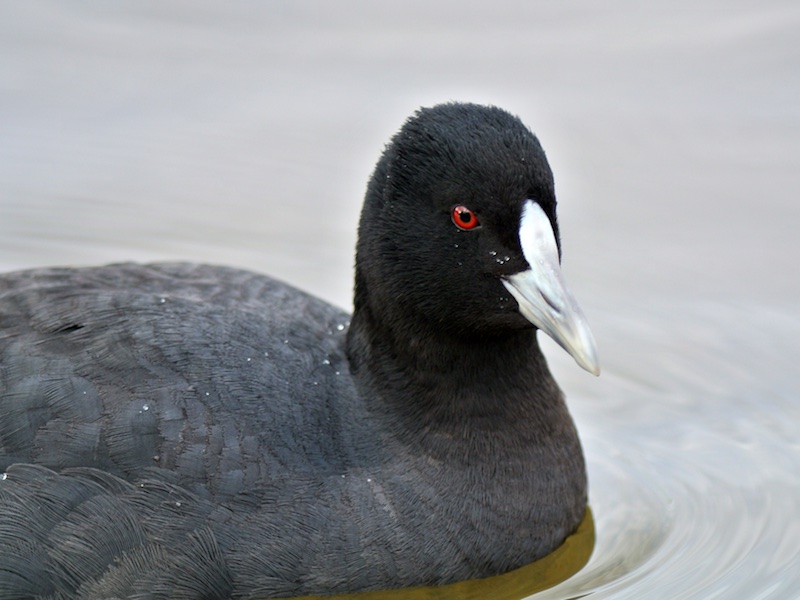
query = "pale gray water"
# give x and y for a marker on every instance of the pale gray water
(243, 133)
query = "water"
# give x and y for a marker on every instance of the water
(693, 451)
(243, 134)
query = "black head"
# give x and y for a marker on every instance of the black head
(419, 262)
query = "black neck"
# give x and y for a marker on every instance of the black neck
(449, 381)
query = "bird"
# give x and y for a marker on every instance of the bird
(181, 430)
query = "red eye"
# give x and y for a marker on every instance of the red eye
(464, 218)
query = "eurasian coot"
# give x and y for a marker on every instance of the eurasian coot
(193, 431)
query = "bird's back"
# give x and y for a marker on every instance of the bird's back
(211, 374)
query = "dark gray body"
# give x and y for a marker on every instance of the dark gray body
(187, 431)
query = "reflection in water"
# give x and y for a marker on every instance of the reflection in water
(544, 573)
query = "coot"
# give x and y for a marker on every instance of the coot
(193, 431)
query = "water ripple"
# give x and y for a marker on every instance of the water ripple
(694, 465)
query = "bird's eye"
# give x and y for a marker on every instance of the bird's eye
(464, 218)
